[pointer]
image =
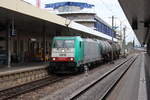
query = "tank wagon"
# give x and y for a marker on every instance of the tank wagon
(116, 50)
(106, 50)
(71, 54)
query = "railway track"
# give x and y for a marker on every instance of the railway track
(82, 94)
(27, 87)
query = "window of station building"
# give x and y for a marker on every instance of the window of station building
(105, 29)
(95, 26)
(109, 31)
(100, 26)
(68, 8)
(63, 9)
(114, 34)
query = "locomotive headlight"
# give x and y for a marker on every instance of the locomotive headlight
(71, 59)
(54, 58)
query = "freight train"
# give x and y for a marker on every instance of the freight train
(72, 53)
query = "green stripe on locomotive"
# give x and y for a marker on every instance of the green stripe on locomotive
(78, 45)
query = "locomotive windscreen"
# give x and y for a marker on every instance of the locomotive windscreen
(64, 44)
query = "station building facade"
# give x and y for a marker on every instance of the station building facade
(81, 13)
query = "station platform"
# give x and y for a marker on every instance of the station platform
(22, 73)
(147, 72)
(15, 68)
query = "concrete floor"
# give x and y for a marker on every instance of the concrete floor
(147, 70)
(22, 66)
(129, 87)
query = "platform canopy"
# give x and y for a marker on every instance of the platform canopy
(28, 18)
(138, 14)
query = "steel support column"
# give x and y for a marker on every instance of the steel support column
(9, 23)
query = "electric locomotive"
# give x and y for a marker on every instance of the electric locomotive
(71, 54)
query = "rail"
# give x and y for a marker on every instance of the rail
(24, 88)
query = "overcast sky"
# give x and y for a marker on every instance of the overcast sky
(104, 9)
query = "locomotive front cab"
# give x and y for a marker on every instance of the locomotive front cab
(65, 55)
(63, 50)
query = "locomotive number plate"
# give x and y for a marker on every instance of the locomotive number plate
(62, 55)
